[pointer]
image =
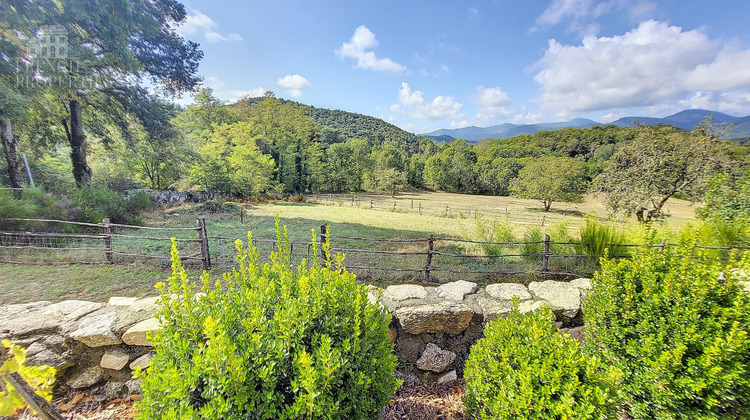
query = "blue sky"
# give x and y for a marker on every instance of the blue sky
(427, 64)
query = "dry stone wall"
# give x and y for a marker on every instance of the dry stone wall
(432, 328)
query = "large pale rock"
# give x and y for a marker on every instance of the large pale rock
(581, 283)
(85, 378)
(506, 291)
(435, 359)
(121, 301)
(531, 305)
(25, 319)
(114, 359)
(97, 330)
(450, 376)
(564, 299)
(143, 362)
(71, 310)
(493, 308)
(456, 290)
(136, 335)
(402, 292)
(450, 318)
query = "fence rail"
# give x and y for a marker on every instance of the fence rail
(429, 259)
(410, 205)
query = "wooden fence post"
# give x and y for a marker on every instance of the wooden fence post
(430, 247)
(545, 259)
(412, 204)
(203, 236)
(662, 245)
(544, 216)
(323, 235)
(352, 200)
(420, 208)
(394, 205)
(446, 211)
(242, 215)
(107, 241)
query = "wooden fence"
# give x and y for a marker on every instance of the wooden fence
(429, 259)
(410, 205)
(63, 242)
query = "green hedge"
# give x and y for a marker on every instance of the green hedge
(677, 325)
(525, 369)
(269, 342)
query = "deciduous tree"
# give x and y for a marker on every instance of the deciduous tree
(549, 179)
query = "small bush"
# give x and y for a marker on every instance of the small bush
(218, 206)
(494, 231)
(524, 369)
(92, 204)
(532, 248)
(271, 342)
(677, 324)
(600, 240)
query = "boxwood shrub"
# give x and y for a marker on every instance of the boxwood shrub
(269, 342)
(524, 368)
(677, 324)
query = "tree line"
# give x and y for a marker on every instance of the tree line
(105, 128)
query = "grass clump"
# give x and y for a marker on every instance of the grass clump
(525, 369)
(269, 342)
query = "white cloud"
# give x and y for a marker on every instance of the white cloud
(492, 105)
(440, 107)
(358, 48)
(609, 117)
(251, 93)
(651, 64)
(491, 97)
(199, 23)
(409, 98)
(581, 15)
(460, 124)
(295, 83)
(527, 118)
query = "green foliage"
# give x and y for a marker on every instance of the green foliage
(601, 240)
(11, 207)
(494, 231)
(532, 238)
(92, 204)
(40, 378)
(677, 325)
(659, 163)
(549, 179)
(269, 342)
(525, 368)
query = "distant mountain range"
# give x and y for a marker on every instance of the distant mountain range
(687, 120)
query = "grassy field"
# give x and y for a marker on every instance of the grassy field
(133, 277)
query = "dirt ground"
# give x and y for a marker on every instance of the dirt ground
(413, 400)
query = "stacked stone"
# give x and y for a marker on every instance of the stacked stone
(433, 328)
(88, 343)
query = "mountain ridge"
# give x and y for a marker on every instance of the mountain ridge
(687, 119)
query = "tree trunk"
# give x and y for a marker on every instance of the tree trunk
(10, 148)
(547, 204)
(77, 140)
